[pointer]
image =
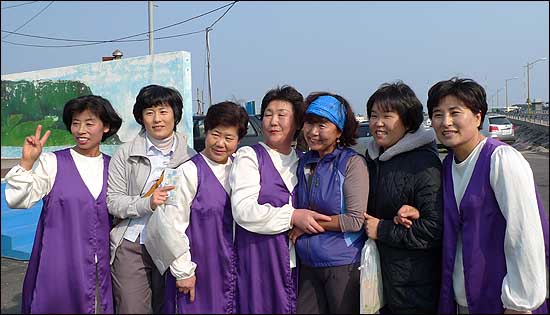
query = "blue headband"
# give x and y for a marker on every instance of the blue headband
(328, 107)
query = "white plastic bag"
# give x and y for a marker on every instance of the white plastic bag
(371, 295)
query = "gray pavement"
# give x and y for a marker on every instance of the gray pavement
(13, 271)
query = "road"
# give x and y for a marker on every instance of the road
(13, 271)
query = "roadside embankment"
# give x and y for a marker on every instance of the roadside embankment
(532, 139)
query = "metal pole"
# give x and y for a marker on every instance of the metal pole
(202, 102)
(506, 91)
(208, 65)
(498, 90)
(151, 28)
(198, 103)
(506, 94)
(529, 64)
(528, 99)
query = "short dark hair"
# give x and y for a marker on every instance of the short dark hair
(99, 106)
(155, 95)
(349, 133)
(227, 114)
(400, 98)
(471, 93)
(289, 94)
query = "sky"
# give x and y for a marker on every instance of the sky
(347, 48)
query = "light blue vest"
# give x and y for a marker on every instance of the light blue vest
(325, 194)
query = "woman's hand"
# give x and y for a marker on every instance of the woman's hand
(159, 196)
(32, 148)
(187, 286)
(405, 215)
(306, 220)
(371, 226)
(294, 234)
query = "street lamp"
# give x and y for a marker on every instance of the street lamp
(506, 91)
(528, 66)
(498, 90)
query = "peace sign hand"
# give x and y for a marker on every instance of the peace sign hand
(32, 148)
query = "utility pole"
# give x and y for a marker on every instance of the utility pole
(198, 103)
(498, 90)
(202, 101)
(151, 28)
(208, 29)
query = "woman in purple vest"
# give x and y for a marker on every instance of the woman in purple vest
(68, 270)
(263, 180)
(194, 235)
(405, 173)
(495, 256)
(333, 180)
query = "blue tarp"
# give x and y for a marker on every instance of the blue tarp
(18, 229)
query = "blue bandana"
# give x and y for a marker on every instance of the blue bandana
(328, 107)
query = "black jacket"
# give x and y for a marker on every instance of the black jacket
(410, 258)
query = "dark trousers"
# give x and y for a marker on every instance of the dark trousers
(328, 290)
(138, 286)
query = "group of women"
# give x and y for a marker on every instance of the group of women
(269, 229)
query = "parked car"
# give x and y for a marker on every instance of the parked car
(364, 137)
(253, 133)
(501, 128)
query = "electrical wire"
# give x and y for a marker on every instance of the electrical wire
(122, 39)
(18, 5)
(105, 42)
(44, 9)
(216, 21)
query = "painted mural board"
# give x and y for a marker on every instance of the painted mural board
(38, 97)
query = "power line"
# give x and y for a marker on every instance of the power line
(216, 21)
(122, 39)
(105, 42)
(18, 5)
(44, 9)
(96, 41)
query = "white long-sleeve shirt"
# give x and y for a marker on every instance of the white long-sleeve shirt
(244, 180)
(24, 187)
(524, 287)
(183, 267)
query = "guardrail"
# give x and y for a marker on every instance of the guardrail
(537, 118)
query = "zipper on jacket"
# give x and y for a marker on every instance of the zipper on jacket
(141, 193)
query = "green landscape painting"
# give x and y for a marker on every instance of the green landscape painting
(27, 104)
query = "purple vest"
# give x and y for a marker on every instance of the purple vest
(483, 229)
(210, 234)
(325, 195)
(73, 227)
(266, 284)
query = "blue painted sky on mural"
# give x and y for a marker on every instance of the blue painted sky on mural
(348, 48)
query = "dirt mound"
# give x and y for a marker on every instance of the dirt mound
(529, 139)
